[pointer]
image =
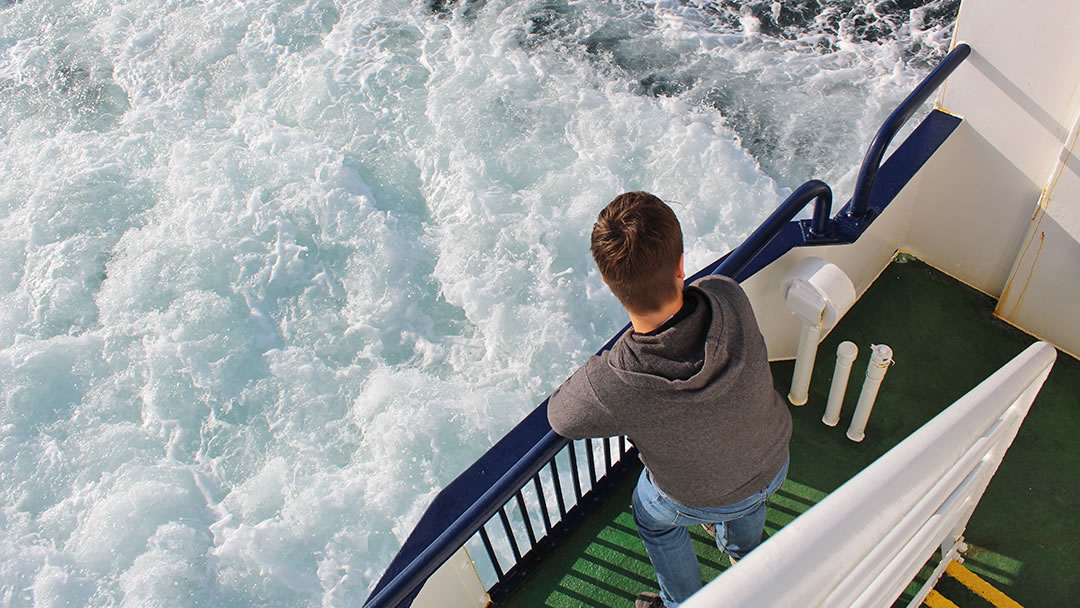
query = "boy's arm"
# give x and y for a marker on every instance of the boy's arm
(574, 410)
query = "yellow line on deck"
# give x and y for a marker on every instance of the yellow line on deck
(936, 600)
(980, 587)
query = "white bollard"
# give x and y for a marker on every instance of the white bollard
(804, 363)
(845, 356)
(880, 359)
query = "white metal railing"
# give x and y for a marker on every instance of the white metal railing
(864, 543)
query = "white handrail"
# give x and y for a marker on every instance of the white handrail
(866, 541)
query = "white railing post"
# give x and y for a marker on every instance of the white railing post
(867, 540)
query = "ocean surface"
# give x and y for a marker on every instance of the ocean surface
(272, 272)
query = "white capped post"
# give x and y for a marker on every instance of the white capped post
(880, 360)
(804, 362)
(845, 357)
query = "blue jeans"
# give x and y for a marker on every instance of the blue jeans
(662, 525)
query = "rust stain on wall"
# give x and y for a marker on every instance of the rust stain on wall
(1027, 281)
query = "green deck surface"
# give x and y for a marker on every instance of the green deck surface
(1024, 534)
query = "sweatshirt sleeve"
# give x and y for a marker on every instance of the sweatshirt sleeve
(574, 410)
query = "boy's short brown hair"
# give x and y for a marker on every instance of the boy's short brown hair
(637, 243)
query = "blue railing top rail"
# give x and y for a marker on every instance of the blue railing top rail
(545, 443)
(888, 130)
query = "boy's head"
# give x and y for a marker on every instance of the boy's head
(637, 243)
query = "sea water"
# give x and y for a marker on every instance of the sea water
(273, 272)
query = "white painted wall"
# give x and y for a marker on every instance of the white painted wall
(1019, 87)
(1013, 164)
(1043, 292)
(1016, 92)
(972, 211)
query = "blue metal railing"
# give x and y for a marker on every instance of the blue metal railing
(820, 230)
(504, 489)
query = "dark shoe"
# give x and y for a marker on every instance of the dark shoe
(648, 600)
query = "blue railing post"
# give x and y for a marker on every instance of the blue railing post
(872, 161)
(813, 190)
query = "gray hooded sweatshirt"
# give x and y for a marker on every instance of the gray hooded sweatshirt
(695, 396)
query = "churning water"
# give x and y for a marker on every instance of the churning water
(272, 272)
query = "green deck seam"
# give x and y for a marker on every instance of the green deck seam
(1022, 536)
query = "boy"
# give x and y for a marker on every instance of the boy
(690, 386)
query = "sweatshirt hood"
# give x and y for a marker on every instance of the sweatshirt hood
(687, 355)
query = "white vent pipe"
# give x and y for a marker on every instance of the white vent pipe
(804, 363)
(845, 356)
(880, 360)
(819, 293)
